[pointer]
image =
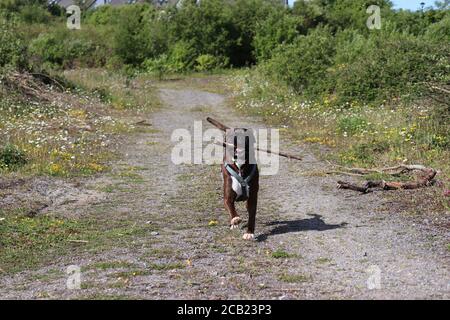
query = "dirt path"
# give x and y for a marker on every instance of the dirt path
(313, 241)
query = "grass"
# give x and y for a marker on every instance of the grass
(280, 254)
(294, 278)
(105, 265)
(28, 243)
(115, 89)
(166, 266)
(353, 134)
(130, 273)
(209, 82)
(131, 176)
(74, 133)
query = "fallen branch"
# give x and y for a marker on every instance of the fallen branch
(401, 169)
(424, 181)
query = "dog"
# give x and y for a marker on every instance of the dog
(240, 177)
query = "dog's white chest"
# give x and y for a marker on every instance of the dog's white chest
(236, 186)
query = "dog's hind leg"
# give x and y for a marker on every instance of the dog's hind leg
(235, 220)
(252, 203)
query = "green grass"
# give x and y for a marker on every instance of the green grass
(166, 266)
(105, 265)
(354, 134)
(161, 253)
(294, 278)
(27, 243)
(130, 273)
(280, 254)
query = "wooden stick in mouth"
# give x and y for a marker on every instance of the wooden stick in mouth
(281, 154)
(224, 128)
(217, 124)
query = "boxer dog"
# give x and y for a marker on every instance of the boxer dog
(240, 176)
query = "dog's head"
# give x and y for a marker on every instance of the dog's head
(240, 147)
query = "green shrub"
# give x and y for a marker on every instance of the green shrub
(103, 15)
(364, 153)
(34, 14)
(63, 48)
(157, 66)
(279, 28)
(11, 157)
(48, 48)
(351, 125)
(207, 28)
(247, 17)
(207, 62)
(133, 35)
(304, 64)
(440, 31)
(182, 57)
(387, 65)
(11, 45)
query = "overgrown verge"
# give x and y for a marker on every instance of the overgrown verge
(355, 134)
(67, 132)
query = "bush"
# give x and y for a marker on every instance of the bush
(157, 66)
(11, 157)
(206, 62)
(133, 39)
(34, 14)
(387, 65)
(207, 28)
(182, 57)
(279, 28)
(11, 45)
(65, 49)
(440, 31)
(303, 65)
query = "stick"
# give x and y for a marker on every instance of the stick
(281, 154)
(223, 127)
(217, 124)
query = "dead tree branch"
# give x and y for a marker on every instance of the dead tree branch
(423, 180)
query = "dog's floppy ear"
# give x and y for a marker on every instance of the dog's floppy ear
(217, 124)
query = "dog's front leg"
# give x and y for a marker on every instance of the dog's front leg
(252, 203)
(234, 217)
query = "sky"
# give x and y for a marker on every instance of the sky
(404, 4)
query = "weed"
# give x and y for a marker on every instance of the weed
(294, 278)
(11, 157)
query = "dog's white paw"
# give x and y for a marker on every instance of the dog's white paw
(248, 236)
(235, 221)
(234, 226)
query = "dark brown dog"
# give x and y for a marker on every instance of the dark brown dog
(240, 177)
